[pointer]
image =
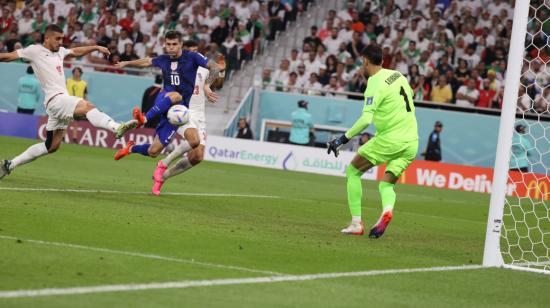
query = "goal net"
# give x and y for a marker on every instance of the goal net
(518, 230)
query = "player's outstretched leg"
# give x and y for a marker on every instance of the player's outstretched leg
(125, 151)
(102, 120)
(191, 142)
(355, 193)
(5, 168)
(52, 143)
(388, 196)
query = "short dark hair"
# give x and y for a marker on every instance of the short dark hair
(77, 69)
(172, 35)
(30, 70)
(53, 28)
(373, 53)
(190, 43)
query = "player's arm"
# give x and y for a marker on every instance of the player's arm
(210, 95)
(145, 62)
(217, 72)
(84, 50)
(371, 99)
(9, 56)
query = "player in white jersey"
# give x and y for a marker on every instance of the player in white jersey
(194, 132)
(47, 63)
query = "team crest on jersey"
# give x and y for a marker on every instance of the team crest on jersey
(174, 66)
(200, 76)
(58, 69)
(369, 101)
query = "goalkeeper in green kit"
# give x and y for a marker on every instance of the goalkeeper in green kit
(389, 106)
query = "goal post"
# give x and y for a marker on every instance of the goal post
(518, 228)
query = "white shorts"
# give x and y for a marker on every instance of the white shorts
(199, 125)
(60, 111)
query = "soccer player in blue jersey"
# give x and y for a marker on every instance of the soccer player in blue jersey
(179, 68)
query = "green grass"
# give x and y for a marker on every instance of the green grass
(297, 233)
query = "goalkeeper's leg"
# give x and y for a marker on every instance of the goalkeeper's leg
(355, 170)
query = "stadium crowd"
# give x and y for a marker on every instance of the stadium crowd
(453, 52)
(133, 29)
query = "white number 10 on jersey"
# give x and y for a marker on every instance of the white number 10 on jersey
(175, 79)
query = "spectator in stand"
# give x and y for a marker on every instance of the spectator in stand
(467, 95)
(313, 87)
(521, 150)
(498, 98)
(462, 72)
(422, 89)
(267, 81)
(433, 149)
(333, 87)
(244, 131)
(542, 101)
(313, 40)
(282, 73)
(486, 94)
(276, 12)
(301, 130)
(294, 60)
(442, 93)
(333, 41)
(29, 92)
(129, 54)
(292, 85)
(525, 103)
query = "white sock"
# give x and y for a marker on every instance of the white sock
(180, 167)
(177, 153)
(355, 219)
(30, 154)
(102, 120)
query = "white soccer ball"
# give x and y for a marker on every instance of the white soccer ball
(178, 115)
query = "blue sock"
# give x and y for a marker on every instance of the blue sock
(159, 108)
(142, 149)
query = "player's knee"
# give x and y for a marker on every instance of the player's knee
(54, 147)
(175, 97)
(195, 159)
(153, 152)
(194, 143)
(352, 171)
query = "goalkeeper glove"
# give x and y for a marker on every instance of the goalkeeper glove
(336, 144)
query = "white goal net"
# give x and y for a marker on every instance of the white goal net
(518, 232)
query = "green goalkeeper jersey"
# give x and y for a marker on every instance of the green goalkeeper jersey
(389, 104)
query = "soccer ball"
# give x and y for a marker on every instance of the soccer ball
(178, 115)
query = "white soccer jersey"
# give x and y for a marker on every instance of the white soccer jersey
(198, 99)
(48, 67)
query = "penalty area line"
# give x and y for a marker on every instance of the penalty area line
(221, 282)
(95, 191)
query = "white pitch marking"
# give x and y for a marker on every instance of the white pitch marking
(141, 255)
(138, 192)
(219, 282)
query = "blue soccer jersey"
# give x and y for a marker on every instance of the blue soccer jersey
(179, 73)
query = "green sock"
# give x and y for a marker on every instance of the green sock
(387, 194)
(355, 190)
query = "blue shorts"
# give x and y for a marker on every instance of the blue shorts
(165, 130)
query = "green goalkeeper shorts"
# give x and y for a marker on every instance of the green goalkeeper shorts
(398, 156)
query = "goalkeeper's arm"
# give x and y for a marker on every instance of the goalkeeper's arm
(360, 125)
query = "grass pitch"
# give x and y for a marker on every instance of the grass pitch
(109, 231)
